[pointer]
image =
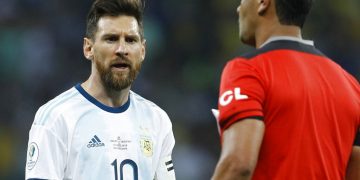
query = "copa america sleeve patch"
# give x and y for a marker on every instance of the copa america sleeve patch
(32, 155)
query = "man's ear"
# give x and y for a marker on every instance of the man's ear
(88, 49)
(143, 49)
(264, 5)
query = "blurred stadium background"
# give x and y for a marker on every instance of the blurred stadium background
(188, 43)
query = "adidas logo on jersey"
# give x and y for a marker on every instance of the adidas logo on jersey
(95, 142)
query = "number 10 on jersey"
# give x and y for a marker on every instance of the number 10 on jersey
(122, 164)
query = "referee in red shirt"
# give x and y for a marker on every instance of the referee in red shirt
(286, 111)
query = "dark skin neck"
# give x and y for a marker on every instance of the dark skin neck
(269, 29)
(269, 26)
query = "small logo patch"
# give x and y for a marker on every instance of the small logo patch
(33, 155)
(120, 143)
(145, 140)
(146, 145)
(95, 142)
(229, 95)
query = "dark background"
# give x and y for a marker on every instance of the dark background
(188, 43)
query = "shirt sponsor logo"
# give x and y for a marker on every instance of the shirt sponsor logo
(33, 155)
(95, 142)
(229, 95)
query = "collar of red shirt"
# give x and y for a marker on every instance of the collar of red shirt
(288, 38)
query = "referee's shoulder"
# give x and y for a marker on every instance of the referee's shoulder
(253, 57)
(256, 53)
(241, 61)
(248, 57)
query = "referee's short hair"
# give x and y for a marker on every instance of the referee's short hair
(293, 12)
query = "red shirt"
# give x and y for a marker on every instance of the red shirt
(309, 104)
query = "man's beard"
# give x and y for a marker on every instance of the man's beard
(117, 80)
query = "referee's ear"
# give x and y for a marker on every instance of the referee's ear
(88, 49)
(264, 5)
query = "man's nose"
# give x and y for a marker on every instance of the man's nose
(122, 49)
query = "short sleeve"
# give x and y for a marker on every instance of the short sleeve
(165, 169)
(241, 93)
(46, 153)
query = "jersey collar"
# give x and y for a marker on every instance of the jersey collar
(102, 106)
(288, 38)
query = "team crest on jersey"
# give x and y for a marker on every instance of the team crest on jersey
(146, 143)
(146, 146)
(33, 154)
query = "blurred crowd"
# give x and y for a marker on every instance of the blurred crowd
(188, 44)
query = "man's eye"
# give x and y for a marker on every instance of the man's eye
(111, 39)
(131, 40)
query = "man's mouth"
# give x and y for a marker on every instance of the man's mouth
(121, 65)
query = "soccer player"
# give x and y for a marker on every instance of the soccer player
(286, 111)
(100, 129)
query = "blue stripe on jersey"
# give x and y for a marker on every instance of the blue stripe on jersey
(103, 106)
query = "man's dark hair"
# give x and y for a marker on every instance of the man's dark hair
(292, 12)
(101, 8)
